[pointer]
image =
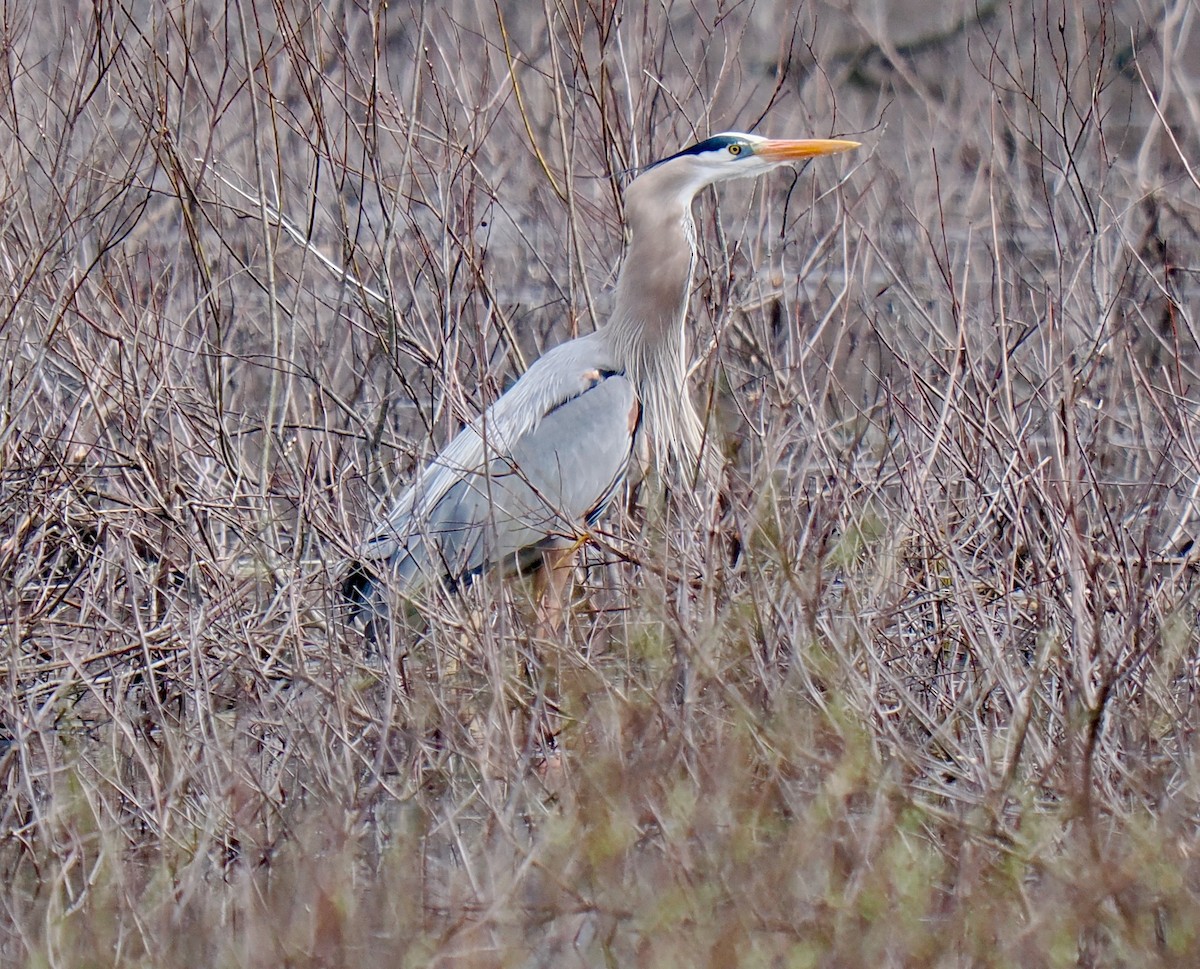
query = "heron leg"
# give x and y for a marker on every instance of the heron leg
(551, 588)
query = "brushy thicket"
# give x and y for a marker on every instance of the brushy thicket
(919, 690)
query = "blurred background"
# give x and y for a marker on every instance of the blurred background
(919, 688)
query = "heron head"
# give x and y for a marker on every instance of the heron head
(734, 154)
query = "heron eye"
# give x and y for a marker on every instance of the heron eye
(735, 149)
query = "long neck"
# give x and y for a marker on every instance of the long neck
(656, 275)
(646, 330)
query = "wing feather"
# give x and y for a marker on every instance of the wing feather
(542, 462)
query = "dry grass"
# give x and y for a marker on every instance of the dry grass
(921, 690)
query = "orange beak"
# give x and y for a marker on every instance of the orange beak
(782, 151)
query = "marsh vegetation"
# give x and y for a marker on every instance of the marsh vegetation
(920, 689)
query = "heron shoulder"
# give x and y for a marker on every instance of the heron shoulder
(559, 375)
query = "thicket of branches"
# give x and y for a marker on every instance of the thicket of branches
(920, 688)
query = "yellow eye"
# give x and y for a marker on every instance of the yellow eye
(735, 149)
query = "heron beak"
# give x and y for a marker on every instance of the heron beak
(784, 151)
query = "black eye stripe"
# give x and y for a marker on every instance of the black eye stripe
(715, 143)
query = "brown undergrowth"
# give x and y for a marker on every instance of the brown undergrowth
(918, 689)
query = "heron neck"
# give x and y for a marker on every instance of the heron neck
(646, 331)
(647, 323)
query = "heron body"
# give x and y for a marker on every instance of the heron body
(541, 464)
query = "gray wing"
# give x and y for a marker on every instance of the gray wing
(554, 480)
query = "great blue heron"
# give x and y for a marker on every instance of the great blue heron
(523, 481)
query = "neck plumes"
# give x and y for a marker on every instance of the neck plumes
(646, 330)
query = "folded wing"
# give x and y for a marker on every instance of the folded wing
(536, 493)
